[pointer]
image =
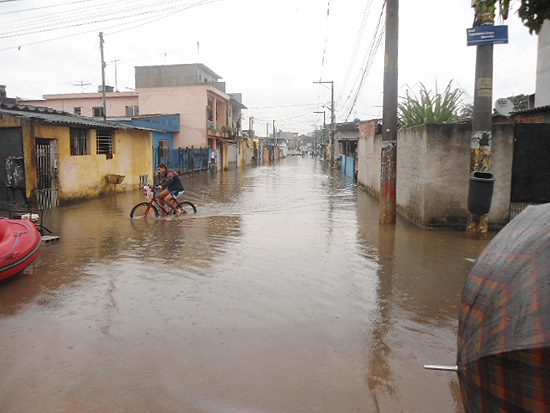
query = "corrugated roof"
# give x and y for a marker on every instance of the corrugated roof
(57, 117)
(532, 110)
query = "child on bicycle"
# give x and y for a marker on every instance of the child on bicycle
(171, 187)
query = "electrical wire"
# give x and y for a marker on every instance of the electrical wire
(368, 60)
(358, 42)
(326, 41)
(146, 18)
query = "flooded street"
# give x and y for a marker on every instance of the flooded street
(282, 294)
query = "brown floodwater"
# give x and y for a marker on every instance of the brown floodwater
(282, 294)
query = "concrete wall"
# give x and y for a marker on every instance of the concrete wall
(173, 75)
(369, 150)
(433, 164)
(542, 95)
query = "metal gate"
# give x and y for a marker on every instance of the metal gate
(47, 194)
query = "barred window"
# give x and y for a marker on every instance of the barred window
(78, 110)
(104, 141)
(79, 142)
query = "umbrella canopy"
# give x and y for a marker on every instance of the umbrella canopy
(504, 329)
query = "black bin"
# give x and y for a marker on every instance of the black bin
(480, 192)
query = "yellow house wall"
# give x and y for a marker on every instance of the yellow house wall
(86, 176)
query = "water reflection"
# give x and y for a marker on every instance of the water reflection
(283, 293)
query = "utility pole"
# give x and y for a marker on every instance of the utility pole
(332, 119)
(482, 121)
(388, 172)
(103, 77)
(324, 126)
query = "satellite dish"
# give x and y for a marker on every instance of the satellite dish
(504, 106)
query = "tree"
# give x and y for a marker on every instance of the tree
(531, 12)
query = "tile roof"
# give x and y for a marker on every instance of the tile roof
(57, 117)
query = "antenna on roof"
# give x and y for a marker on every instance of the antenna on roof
(81, 83)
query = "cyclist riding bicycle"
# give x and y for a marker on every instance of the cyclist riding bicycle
(171, 187)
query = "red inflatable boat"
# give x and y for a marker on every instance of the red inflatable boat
(20, 243)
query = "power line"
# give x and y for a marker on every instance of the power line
(326, 40)
(143, 21)
(376, 40)
(358, 42)
(96, 18)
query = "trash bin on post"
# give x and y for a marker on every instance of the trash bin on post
(480, 192)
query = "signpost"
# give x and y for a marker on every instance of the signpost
(487, 35)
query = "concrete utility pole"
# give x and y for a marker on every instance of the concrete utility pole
(324, 125)
(388, 170)
(332, 119)
(482, 121)
(103, 77)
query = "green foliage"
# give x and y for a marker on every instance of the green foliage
(427, 108)
(531, 12)
(520, 102)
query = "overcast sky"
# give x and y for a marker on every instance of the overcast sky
(270, 51)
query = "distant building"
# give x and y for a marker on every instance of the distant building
(209, 117)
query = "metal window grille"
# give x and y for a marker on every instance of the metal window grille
(78, 110)
(104, 141)
(79, 142)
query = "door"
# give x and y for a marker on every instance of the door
(233, 154)
(12, 167)
(47, 193)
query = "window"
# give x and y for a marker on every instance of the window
(164, 149)
(104, 141)
(98, 111)
(132, 110)
(79, 142)
(78, 110)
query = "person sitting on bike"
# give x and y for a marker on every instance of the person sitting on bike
(171, 187)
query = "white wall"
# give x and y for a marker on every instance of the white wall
(542, 95)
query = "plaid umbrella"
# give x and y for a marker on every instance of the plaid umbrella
(504, 328)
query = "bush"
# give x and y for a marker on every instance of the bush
(422, 109)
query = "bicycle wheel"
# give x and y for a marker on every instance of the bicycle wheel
(144, 210)
(187, 208)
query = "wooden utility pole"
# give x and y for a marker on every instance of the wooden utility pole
(482, 121)
(388, 171)
(103, 77)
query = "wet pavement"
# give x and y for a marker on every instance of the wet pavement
(282, 294)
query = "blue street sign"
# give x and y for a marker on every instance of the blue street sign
(486, 35)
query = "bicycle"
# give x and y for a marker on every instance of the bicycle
(155, 208)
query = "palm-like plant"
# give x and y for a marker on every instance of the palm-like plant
(427, 108)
